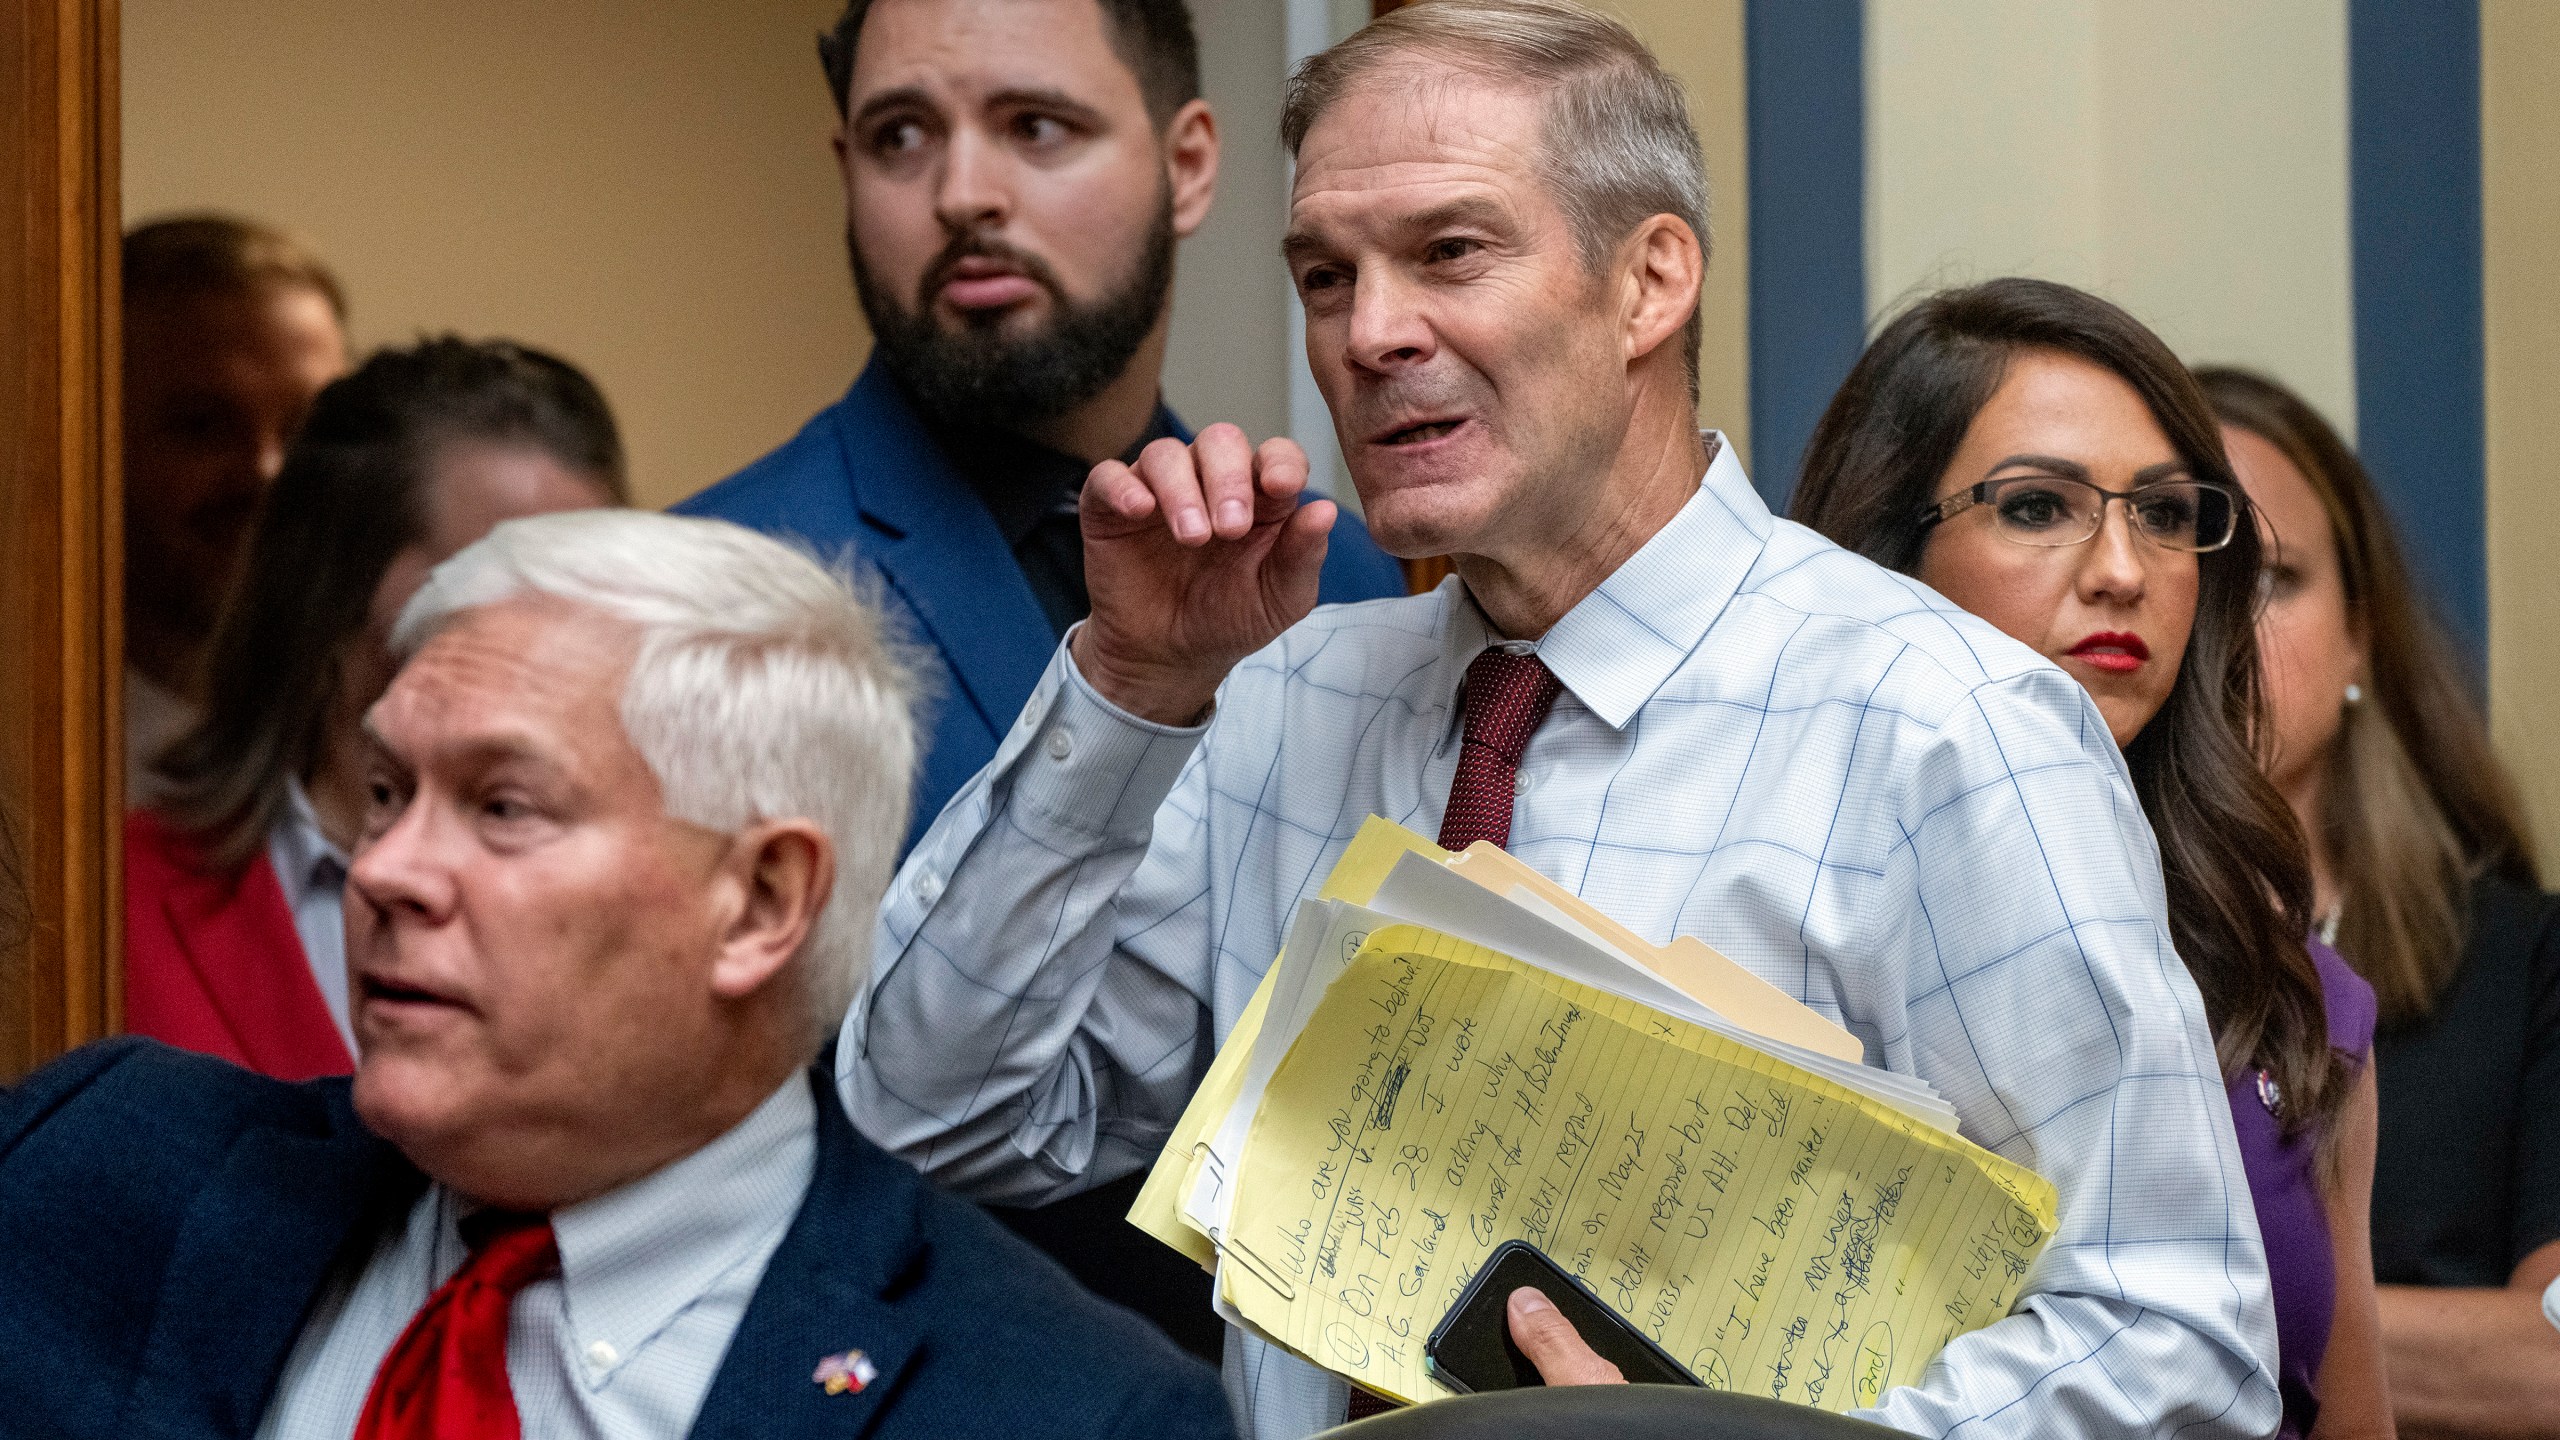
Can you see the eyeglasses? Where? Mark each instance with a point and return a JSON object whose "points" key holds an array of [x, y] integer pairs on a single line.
{"points": [[2052, 511]]}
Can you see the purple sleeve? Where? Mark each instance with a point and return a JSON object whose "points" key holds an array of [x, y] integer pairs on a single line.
{"points": [[2349, 1001]]}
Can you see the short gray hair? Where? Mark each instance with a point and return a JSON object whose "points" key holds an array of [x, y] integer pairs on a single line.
{"points": [[1619, 146], [765, 688]]}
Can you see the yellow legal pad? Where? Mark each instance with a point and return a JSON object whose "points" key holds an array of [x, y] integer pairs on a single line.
{"points": [[1776, 1232]]}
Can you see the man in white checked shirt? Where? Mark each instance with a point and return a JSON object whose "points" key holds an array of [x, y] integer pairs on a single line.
{"points": [[1749, 735]]}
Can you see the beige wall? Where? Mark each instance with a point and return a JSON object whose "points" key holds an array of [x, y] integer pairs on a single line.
{"points": [[1229, 356], [2185, 158], [2520, 164], [1700, 41], [645, 189]]}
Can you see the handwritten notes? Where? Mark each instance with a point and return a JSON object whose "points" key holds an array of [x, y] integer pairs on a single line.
{"points": [[1364, 866], [1776, 1232]]}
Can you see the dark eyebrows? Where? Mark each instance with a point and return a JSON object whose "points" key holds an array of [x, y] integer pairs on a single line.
{"points": [[1041, 98], [2165, 470], [2074, 470], [901, 97], [2066, 469], [1028, 97]]}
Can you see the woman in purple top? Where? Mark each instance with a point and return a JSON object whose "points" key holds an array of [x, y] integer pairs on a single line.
{"points": [[2039, 458], [2317, 1236]]}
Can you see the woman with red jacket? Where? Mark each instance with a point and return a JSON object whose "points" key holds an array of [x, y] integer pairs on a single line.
{"points": [[234, 939]]}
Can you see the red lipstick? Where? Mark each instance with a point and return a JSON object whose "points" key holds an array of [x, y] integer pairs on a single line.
{"points": [[2119, 652]]}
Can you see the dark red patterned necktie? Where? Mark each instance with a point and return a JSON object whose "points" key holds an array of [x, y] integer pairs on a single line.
{"points": [[447, 1376], [1507, 697]]}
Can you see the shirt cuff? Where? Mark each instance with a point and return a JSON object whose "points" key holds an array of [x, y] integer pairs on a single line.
{"points": [[1094, 769]]}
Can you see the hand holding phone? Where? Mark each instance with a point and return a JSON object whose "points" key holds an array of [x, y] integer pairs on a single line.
{"points": [[1471, 1351]]}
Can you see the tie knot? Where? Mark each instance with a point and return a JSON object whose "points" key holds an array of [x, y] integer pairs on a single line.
{"points": [[509, 1249], [1507, 696]]}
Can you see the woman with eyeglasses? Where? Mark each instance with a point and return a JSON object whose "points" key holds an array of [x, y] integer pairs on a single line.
{"points": [[2424, 877], [2038, 457]]}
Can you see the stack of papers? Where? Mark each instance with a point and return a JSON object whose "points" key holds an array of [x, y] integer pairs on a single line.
{"points": [[1452, 1052]]}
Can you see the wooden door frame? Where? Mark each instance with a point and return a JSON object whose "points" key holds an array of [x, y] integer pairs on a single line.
{"points": [[61, 522]]}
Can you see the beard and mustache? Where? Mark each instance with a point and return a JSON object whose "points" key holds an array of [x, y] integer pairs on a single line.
{"points": [[979, 374]]}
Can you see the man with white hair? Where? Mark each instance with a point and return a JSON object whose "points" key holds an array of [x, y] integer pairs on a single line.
{"points": [[635, 792], [1703, 720]]}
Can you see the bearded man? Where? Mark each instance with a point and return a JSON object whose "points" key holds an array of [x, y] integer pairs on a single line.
{"points": [[1016, 174]]}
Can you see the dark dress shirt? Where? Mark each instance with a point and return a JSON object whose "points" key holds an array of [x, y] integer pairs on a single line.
{"points": [[2466, 1176], [1031, 491]]}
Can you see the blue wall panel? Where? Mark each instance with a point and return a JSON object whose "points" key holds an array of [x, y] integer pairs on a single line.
{"points": [[2414, 181], [1808, 164]]}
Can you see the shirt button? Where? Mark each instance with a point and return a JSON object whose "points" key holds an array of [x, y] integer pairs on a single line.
{"points": [[928, 887], [1520, 783], [602, 1356], [1060, 746]]}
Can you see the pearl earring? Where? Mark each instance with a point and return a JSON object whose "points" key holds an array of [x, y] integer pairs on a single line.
{"points": [[2355, 693]]}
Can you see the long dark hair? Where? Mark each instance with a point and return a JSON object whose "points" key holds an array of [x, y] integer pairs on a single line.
{"points": [[352, 495], [2239, 884], [2410, 836]]}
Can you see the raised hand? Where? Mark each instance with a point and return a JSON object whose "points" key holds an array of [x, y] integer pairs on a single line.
{"points": [[1196, 558]]}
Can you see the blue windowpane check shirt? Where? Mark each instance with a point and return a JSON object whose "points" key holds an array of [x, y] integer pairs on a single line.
{"points": [[1823, 769]]}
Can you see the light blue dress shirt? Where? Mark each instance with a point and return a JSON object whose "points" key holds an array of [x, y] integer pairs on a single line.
{"points": [[312, 871], [1821, 768], [624, 1342]]}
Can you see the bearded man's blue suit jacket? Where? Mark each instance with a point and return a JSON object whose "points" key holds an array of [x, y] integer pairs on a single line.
{"points": [[167, 1221], [866, 475]]}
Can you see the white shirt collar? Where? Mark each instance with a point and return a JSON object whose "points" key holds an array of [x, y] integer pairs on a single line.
{"points": [[300, 849], [633, 1258], [1626, 638]]}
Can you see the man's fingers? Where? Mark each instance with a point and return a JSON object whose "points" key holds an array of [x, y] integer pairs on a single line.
{"points": [[1295, 570], [1280, 473], [1548, 1339], [1225, 459], [1219, 486], [1118, 491], [1166, 466]]}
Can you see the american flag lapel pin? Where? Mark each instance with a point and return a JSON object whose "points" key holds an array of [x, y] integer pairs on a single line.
{"points": [[847, 1373]]}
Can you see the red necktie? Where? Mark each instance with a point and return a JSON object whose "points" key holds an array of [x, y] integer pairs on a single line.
{"points": [[1506, 696], [446, 1378]]}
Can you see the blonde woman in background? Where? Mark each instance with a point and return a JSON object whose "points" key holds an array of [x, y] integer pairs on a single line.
{"points": [[2424, 879]]}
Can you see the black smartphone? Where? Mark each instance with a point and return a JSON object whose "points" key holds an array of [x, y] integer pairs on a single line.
{"points": [[1471, 1349]]}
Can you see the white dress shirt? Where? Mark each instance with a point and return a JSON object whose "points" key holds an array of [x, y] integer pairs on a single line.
{"points": [[624, 1342], [312, 871], [1823, 769]]}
